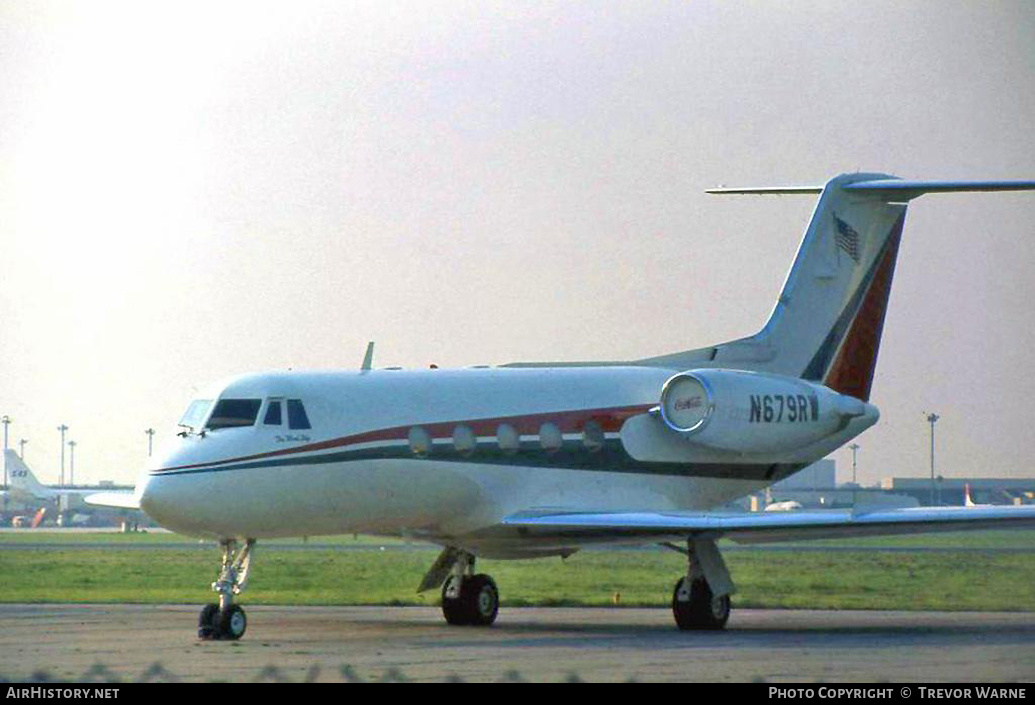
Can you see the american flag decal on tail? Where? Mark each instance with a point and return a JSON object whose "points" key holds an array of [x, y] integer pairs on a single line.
{"points": [[847, 238]]}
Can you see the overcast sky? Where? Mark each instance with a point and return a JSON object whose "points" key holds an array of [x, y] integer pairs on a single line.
{"points": [[194, 190]]}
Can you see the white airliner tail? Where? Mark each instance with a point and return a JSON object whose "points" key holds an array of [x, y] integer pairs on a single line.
{"points": [[22, 482], [827, 322]]}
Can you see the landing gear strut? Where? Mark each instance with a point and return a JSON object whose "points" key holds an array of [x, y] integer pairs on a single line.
{"points": [[469, 599], [701, 599], [227, 620]]}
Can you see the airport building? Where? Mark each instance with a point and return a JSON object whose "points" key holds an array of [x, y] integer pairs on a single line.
{"points": [[816, 487], [821, 475], [950, 491]]}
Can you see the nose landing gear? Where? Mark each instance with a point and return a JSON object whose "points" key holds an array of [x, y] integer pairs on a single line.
{"points": [[227, 620]]}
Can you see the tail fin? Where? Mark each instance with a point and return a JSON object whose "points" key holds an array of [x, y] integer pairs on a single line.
{"points": [[826, 325], [23, 482]]}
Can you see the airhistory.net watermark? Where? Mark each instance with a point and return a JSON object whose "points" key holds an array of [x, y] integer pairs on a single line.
{"points": [[41, 692]]}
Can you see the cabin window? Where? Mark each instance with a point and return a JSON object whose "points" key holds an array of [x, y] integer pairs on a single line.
{"points": [[420, 441], [274, 416], [464, 440], [508, 438], [230, 413], [592, 436], [297, 418], [550, 437]]}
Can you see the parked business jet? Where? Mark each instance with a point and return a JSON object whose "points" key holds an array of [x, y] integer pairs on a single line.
{"points": [[541, 459]]}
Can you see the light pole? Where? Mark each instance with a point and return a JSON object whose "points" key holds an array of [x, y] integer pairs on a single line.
{"points": [[854, 447], [62, 428], [71, 464], [6, 421], [150, 437], [932, 419], [21, 448]]}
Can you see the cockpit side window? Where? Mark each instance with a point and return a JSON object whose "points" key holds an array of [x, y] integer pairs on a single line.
{"points": [[297, 418], [230, 413], [273, 417], [195, 414]]}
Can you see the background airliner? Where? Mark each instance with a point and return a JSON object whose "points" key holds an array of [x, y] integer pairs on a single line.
{"points": [[25, 487], [540, 459]]}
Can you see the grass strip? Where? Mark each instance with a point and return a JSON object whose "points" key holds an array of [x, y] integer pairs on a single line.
{"points": [[839, 580]]}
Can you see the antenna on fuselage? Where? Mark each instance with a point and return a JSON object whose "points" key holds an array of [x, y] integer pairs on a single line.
{"points": [[368, 359]]}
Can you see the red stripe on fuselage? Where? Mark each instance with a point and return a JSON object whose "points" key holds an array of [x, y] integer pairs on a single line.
{"points": [[610, 421]]}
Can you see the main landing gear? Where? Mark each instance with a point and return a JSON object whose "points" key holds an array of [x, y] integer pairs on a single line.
{"points": [[227, 620], [701, 599], [467, 599]]}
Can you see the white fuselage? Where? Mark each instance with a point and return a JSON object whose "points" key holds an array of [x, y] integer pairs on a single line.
{"points": [[439, 454]]}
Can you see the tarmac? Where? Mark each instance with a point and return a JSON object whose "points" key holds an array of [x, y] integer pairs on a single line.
{"points": [[77, 643]]}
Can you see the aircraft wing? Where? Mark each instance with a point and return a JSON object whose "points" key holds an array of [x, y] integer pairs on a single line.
{"points": [[119, 500], [629, 527]]}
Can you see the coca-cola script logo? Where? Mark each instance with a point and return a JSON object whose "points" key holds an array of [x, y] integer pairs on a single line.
{"points": [[688, 403]]}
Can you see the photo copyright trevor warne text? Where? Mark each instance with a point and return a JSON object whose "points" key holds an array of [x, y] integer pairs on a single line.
{"points": [[897, 692]]}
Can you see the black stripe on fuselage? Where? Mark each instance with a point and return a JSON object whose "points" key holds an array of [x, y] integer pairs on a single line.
{"points": [[610, 458]]}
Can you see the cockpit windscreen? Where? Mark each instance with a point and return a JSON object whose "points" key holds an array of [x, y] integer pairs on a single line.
{"points": [[195, 414], [230, 413]]}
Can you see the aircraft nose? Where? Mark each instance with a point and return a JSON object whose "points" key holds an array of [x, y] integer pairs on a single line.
{"points": [[155, 500], [146, 491], [173, 503], [154, 488]]}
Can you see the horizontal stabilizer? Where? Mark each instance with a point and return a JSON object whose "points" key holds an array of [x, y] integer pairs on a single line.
{"points": [[118, 500], [939, 186], [767, 527], [772, 190], [891, 189]]}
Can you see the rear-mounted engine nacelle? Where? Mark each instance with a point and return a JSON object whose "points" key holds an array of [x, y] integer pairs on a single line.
{"points": [[752, 412]]}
